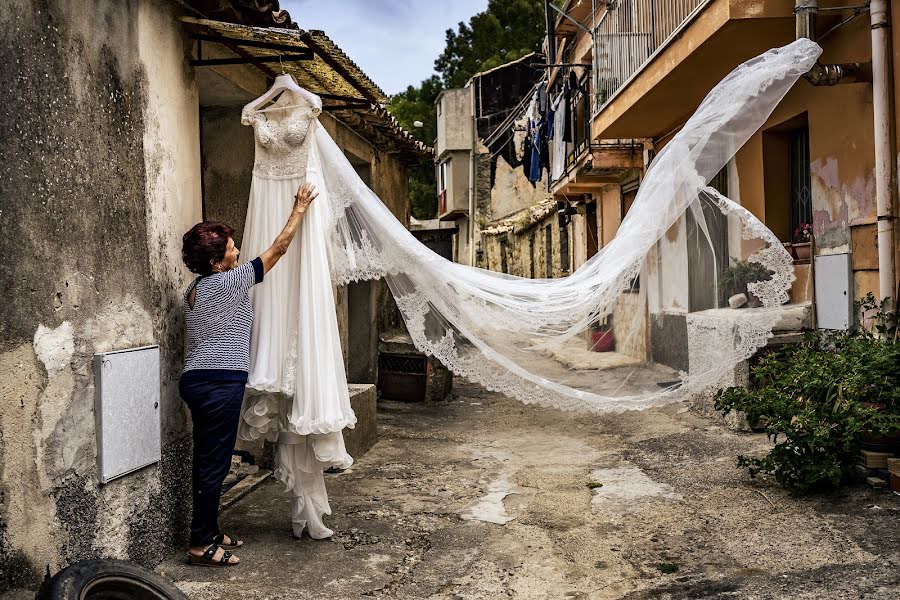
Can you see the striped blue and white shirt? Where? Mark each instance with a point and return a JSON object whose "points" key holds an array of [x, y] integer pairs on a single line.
{"points": [[218, 325]]}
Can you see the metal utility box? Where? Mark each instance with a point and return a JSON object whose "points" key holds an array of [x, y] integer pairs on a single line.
{"points": [[834, 291], [127, 410]]}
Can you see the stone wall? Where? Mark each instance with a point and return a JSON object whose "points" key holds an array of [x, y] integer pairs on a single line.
{"points": [[100, 171]]}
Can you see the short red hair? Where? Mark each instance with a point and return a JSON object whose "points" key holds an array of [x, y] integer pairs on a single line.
{"points": [[204, 245]]}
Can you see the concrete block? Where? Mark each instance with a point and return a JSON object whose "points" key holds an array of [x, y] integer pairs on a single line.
{"points": [[669, 340], [439, 381], [874, 460], [362, 437], [794, 317], [876, 482]]}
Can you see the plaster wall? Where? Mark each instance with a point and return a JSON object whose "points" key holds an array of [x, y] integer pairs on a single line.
{"points": [[100, 177], [454, 120], [512, 191]]}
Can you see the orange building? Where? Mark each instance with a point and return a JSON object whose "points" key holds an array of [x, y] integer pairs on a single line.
{"points": [[826, 156]]}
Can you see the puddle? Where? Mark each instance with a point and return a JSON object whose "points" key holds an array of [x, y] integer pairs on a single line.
{"points": [[626, 484], [489, 508]]}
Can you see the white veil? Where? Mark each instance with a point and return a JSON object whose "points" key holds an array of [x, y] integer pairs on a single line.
{"points": [[507, 332]]}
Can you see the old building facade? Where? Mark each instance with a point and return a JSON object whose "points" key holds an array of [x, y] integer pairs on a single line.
{"points": [[826, 157], [126, 132]]}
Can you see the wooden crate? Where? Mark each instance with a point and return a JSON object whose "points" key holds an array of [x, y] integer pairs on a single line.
{"points": [[893, 466]]}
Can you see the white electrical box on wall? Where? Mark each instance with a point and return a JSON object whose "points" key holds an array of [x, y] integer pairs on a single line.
{"points": [[127, 410], [834, 291]]}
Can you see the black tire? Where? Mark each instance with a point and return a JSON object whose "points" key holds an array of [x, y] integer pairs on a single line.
{"points": [[102, 579]]}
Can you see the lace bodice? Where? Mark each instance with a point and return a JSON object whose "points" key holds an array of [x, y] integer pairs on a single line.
{"points": [[282, 136]]}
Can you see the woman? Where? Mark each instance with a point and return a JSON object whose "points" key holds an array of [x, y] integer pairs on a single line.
{"points": [[218, 319]]}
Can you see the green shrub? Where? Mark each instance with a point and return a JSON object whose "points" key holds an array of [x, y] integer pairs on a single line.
{"points": [[814, 399]]}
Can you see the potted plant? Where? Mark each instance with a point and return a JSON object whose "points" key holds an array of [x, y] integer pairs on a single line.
{"points": [[739, 274], [880, 323], [819, 400], [802, 235]]}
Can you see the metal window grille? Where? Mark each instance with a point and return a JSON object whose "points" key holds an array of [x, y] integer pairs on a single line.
{"points": [[801, 184]]}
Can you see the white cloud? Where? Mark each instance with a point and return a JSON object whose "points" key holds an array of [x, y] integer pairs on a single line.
{"points": [[394, 41]]}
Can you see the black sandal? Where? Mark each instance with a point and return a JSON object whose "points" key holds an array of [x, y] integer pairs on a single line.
{"points": [[234, 544], [208, 558]]}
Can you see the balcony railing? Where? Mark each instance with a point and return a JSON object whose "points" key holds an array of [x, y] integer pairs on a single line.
{"points": [[629, 34]]}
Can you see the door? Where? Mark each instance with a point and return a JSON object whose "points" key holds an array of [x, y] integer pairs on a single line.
{"points": [[591, 229], [707, 257]]}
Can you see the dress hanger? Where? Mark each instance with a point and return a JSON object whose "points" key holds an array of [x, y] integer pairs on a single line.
{"points": [[284, 82]]}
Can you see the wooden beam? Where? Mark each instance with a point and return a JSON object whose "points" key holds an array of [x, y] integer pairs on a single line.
{"points": [[337, 67], [227, 41], [252, 60]]}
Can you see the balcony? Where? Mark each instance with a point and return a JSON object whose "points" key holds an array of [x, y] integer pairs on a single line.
{"points": [[629, 34], [655, 60]]}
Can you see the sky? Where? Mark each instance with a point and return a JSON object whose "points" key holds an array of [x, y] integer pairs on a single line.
{"points": [[394, 41]]}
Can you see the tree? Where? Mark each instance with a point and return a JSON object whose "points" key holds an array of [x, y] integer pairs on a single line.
{"points": [[417, 104], [506, 31]]}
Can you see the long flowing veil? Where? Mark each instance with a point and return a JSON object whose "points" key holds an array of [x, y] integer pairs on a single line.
{"points": [[535, 339]]}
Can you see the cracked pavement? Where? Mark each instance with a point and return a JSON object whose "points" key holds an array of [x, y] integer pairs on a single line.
{"points": [[482, 497]]}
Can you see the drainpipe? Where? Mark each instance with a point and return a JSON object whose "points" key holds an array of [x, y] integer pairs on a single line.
{"points": [[822, 75], [883, 108], [885, 145], [472, 164]]}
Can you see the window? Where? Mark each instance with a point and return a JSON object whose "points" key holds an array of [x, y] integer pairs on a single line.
{"points": [[442, 176], [504, 249], [801, 186], [786, 177], [627, 194]]}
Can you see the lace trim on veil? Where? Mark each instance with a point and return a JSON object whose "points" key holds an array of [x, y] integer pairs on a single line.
{"points": [[452, 310]]}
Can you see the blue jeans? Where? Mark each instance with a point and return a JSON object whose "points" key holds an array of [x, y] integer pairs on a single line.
{"points": [[214, 398]]}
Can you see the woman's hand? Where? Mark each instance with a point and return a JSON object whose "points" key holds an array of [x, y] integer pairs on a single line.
{"points": [[306, 193]]}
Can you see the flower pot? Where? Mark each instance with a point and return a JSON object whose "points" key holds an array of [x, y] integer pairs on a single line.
{"points": [[602, 340], [876, 442], [802, 251], [753, 301]]}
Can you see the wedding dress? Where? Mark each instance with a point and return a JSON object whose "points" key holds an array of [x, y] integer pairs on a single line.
{"points": [[510, 334], [297, 386]]}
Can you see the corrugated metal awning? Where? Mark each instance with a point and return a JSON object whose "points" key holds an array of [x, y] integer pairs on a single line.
{"points": [[322, 68]]}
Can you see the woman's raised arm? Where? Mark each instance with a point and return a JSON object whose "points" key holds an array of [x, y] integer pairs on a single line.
{"points": [[304, 197]]}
